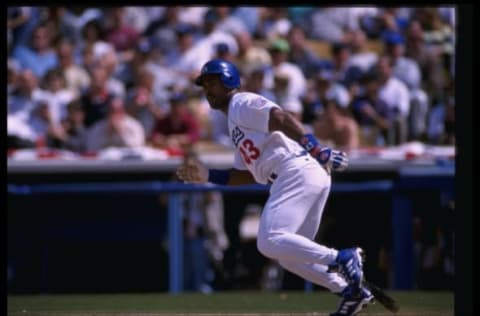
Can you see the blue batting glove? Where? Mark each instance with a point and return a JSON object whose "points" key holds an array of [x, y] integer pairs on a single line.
{"points": [[331, 159]]}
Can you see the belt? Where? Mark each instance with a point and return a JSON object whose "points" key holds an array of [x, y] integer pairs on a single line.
{"points": [[274, 176], [301, 154]]}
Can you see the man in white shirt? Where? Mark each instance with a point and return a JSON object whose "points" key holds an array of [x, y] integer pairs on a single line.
{"points": [[118, 129], [408, 71], [397, 97], [297, 83]]}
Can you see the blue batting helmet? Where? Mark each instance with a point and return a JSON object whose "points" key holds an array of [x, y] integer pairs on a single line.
{"points": [[229, 74]]}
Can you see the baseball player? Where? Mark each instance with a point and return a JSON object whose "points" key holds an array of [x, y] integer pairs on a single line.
{"points": [[272, 147]]}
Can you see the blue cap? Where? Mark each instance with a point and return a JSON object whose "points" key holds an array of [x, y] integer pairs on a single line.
{"points": [[393, 38], [184, 28], [144, 45], [222, 48], [325, 74], [211, 16]]}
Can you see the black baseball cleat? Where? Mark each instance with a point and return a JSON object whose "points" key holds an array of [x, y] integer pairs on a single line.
{"points": [[353, 301], [349, 263]]}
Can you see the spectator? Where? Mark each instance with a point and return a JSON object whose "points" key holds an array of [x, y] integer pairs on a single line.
{"points": [[405, 69], [192, 15], [19, 133], [373, 115], [254, 82], [387, 19], [331, 24], [249, 16], [438, 35], [312, 105], [299, 15], [273, 23], [138, 17], [21, 21], [397, 97], [223, 52], [44, 125], [323, 86], [361, 56], [297, 83], [250, 55], [95, 100], [281, 81], [91, 33], [104, 55], [76, 77], [23, 93], [179, 129], [441, 120], [117, 129], [300, 54], [122, 36], [58, 95], [162, 29], [180, 56], [40, 55], [336, 126], [326, 88], [13, 70], [75, 132], [227, 22], [449, 138], [408, 71], [428, 59], [204, 48], [294, 107], [165, 77], [364, 17], [54, 19], [25, 98], [395, 19], [218, 129], [144, 104], [80, 19], [343, 72]]}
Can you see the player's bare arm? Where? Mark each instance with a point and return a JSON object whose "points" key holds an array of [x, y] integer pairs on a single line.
{"points": [[283, 121]]}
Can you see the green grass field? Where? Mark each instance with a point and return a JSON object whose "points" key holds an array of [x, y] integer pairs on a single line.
{"points": [[318, 303]]}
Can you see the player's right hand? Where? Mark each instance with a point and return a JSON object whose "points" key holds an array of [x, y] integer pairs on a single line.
{"points": [[339, 160], [331, 159], [193, 172]]}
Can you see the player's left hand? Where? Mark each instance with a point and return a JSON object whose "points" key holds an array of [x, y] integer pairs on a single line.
{"points": [[193, 172]]}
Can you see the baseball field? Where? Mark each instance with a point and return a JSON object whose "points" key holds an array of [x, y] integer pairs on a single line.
{"points": [[318, 303]]}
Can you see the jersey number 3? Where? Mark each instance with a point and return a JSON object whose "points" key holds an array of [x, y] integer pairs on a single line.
{"points": [[249, 151]]}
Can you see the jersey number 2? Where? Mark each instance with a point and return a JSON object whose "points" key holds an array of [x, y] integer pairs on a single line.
{"points": [[249, 151]]}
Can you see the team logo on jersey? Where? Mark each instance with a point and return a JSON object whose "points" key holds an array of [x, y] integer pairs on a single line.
{"points": [[237, 135]]}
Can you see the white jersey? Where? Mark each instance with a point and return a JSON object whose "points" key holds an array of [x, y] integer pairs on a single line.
{"points": [[257, 149]]}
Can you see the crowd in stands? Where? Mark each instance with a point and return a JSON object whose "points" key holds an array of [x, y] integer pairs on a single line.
{"points": [[88, 78]]}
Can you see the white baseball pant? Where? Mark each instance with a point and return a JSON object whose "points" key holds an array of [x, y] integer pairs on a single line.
{"points": [[290, 221]]}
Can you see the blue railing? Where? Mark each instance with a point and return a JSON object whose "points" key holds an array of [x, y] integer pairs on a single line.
{"points": [[441, 179]]}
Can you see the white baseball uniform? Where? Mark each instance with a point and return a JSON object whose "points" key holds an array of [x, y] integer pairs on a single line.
{"points": [[299, 190]]}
